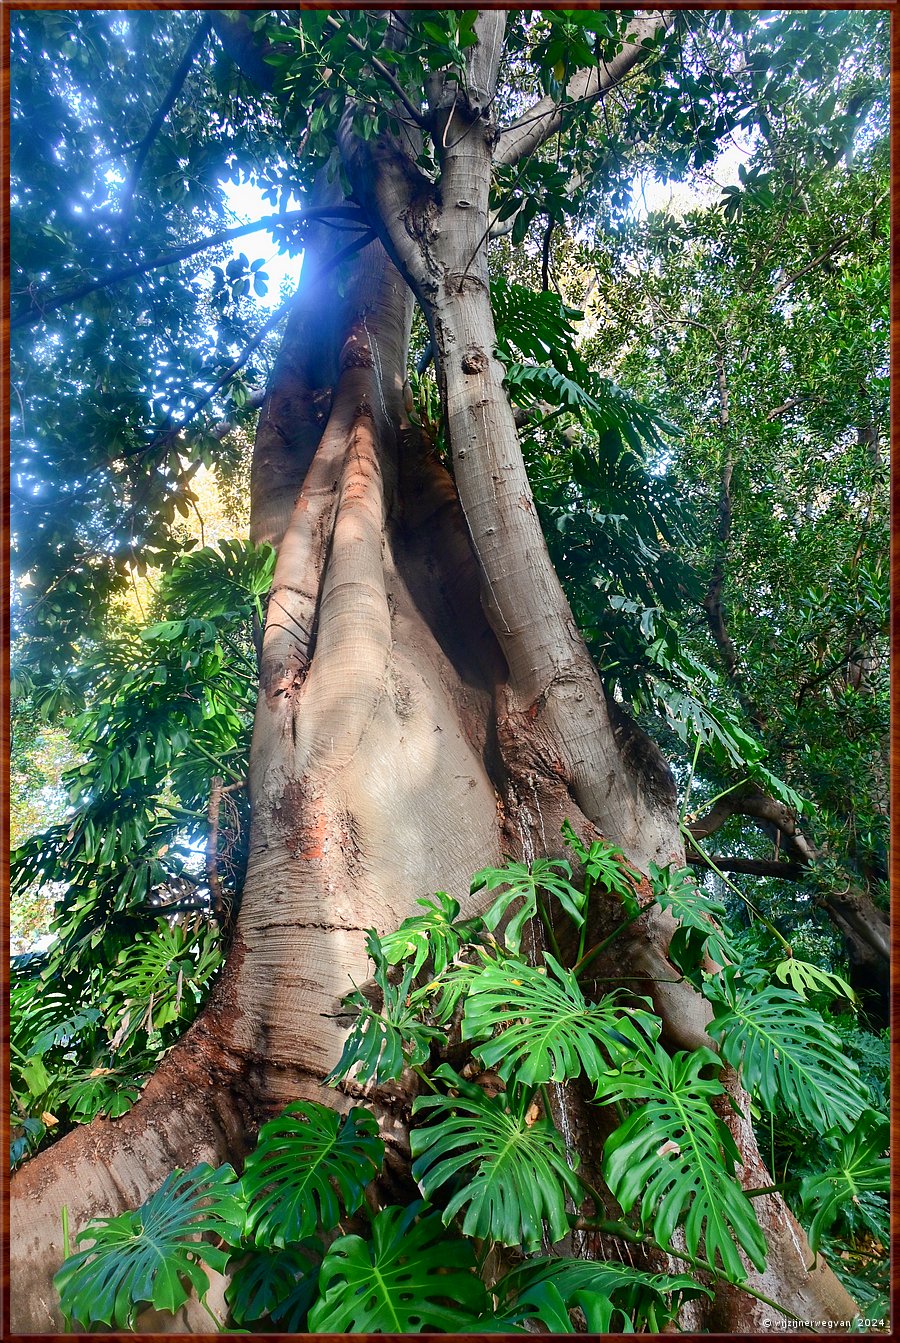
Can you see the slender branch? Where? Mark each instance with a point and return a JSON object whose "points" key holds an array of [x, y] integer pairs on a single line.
{"points": [[811, 265], [165, 107], [753, 867], [524, 135], [212, 845], [777, 411], [39, 308], [383, 70]]}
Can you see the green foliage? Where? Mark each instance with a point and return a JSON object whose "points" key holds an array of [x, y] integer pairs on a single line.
{"points": [[307, 1165], [676, 889], [854, 1187], [140, 1258], [433, 936], [675, 1157], [613, 1297], [279, 1286], [168, 710], [490, 1162], [535, 1025], [512, 1163], [381, 1043], [746, 342], [785, 1052], [526, 882], [410, 1278], [806, 979], [161, 978], [604, 865]]}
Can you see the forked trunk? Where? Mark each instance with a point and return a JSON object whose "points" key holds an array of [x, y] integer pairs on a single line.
{"points": [[420, 712]]}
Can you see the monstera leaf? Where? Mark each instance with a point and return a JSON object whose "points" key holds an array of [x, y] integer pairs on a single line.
{"points": [[676, 889], [279, 1286], [785, 1052], [547, 1032], [524, 881], [433, 935], [381, 1044], [605, 864], [515, 1175], [857, 1181], [140, 1258], [159, 977], [232, 576], [613, 1297], [307, 1164], [675, 1156], [804, 978], [410, 1278]]}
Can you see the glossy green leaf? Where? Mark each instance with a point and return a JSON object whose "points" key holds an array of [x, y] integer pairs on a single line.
{"points": [[143, 1258], [506, 1165], [309, 1164], [410, 1278]]}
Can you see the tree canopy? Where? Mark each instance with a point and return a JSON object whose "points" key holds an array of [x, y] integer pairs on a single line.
{"points": [[675, 243]]}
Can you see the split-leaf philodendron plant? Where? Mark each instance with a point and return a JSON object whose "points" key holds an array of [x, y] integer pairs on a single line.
{"points": [[481, 1038]]}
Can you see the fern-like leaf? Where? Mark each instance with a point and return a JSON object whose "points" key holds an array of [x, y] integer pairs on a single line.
{"points": [[306, 1166], [676, 1156]]}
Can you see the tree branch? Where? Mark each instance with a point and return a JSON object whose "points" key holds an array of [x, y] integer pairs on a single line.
{"points": [[383, 70], [777, 411], [39, 309], [165, 107], [811, 265], [524, 135], [754, 867]]}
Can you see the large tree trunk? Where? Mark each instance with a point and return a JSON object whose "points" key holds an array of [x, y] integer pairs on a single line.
{"points": [[421, 711]]}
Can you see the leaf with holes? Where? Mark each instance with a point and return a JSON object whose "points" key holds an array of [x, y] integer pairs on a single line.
{"points": [[604, 864], [525, 882], [675, 1156], [514, 1168], [785, 1052], [306, 1166], [433, 935], [141, 1258], [539, 1027], [676, 889], [858, 1178], [410, 1278], [280, 1286], [614, 1297], [381, 1044]]}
